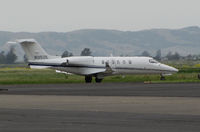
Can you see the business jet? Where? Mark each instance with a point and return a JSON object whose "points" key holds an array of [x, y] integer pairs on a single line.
{"points": [[89, 66]]}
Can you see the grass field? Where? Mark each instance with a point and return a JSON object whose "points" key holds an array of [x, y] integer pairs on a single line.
{"points": [[32, 76]]}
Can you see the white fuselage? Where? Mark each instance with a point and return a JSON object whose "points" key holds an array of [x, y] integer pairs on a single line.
{"points": [[89, 65]]}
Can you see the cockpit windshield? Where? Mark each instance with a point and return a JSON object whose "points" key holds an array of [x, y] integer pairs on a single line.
{"points": [[153, 61]]}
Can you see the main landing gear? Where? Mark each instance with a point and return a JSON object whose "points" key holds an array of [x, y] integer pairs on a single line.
{"points": [[88, 79], [98, 80]]}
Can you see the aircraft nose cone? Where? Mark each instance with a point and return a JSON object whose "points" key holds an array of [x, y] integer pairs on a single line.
{"points": [[173, 69], [169, 68]]}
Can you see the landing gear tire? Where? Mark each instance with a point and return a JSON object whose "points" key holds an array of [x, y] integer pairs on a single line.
{"points": [[162, 78], [98, 80], [88, 79], [198, 76]]}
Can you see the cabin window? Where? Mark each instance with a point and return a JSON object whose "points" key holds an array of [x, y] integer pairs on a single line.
{"points": [[153, 61], [124, 62], [130, 62], [102, 62], [113, 62], [118, 62]]}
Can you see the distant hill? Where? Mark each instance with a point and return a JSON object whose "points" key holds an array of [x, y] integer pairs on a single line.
{"points": [[104, 42]]}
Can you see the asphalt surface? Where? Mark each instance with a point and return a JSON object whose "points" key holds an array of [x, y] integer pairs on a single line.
{"points": [[106, 89], [119, 107]]}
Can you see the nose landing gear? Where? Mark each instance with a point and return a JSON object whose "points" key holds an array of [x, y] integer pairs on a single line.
{"points": [[162, 77]]}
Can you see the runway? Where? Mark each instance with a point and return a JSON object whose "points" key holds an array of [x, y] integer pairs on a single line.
{"points": [[106, 89], [120, 107]]}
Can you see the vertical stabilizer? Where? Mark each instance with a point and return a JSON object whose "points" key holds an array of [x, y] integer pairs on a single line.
{"points": [[33, 50]]}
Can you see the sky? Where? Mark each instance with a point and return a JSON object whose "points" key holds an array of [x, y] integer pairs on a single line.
{"points": [[69, 15]]}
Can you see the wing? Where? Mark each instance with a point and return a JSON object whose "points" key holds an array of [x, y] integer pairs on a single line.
{"points": [[104, 71]]}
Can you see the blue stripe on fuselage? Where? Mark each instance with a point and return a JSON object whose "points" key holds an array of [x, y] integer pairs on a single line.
{"points": [[90, 66]]}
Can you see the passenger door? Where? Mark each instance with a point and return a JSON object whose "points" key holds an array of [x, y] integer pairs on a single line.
{"points": [[112, 63]]}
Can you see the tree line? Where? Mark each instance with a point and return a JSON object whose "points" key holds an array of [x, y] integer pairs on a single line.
{"points": [[84, 52], [171, 56], [8, 58], [158, 56]]}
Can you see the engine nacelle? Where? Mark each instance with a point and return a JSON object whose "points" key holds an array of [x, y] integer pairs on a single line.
{"points": [[79, 61]]}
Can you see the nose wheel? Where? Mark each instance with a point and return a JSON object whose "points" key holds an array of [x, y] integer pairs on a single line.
{"points": [[162, 77]]}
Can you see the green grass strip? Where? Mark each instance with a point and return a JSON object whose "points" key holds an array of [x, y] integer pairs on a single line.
{"points": [[46, 76]]}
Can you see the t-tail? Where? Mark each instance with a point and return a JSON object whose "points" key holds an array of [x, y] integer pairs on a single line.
{"points": [[34, 51]]}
